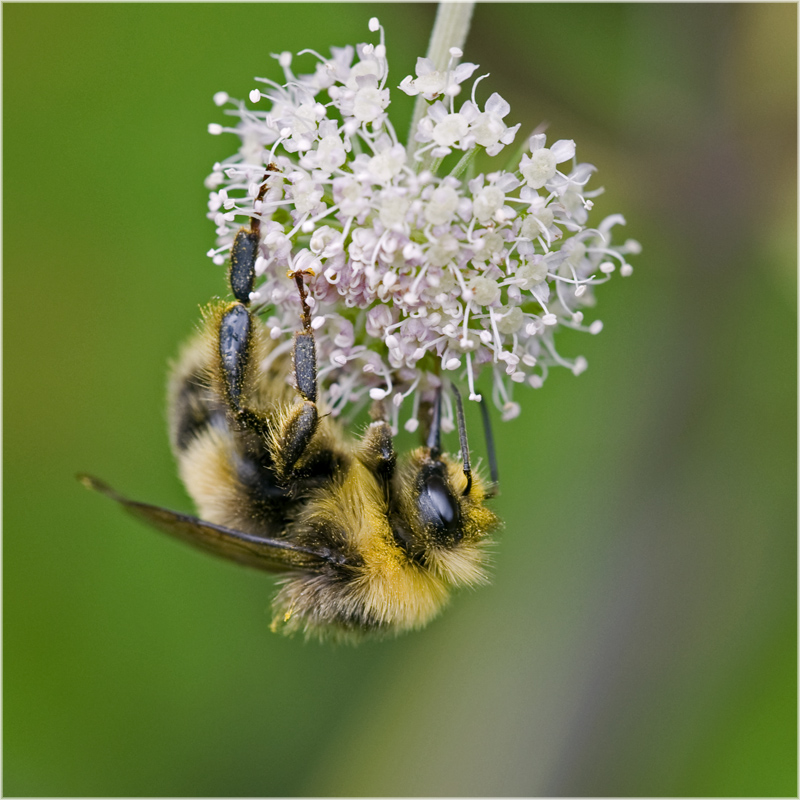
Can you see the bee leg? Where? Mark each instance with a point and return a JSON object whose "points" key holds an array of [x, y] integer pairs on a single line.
{"points": [[377, 452], [305, 365], [236, 324], [234, 346], [376, 449], [242, 272], [244, 251], [291, 437]]}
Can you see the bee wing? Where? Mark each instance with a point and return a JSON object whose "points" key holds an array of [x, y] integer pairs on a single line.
{"points": [[244, 548]]}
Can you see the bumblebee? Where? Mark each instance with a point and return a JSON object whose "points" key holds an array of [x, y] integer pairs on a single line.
{"points": [[364, 542]]}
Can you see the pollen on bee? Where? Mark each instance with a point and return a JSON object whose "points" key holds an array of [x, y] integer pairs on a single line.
{"points": [[292, 273], [289, 612]]}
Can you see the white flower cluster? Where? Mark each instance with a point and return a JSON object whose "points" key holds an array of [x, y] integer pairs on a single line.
{"points": [[413, 271]]}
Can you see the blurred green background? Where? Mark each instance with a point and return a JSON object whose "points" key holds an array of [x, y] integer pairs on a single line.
{"points": [[639, 635]]}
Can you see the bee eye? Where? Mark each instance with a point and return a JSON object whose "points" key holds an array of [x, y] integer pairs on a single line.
{"points": [[437, 506]]}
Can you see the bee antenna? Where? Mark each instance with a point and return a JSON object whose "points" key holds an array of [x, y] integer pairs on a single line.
{"points": [[434, 442], [462, 435], [490, 451]]}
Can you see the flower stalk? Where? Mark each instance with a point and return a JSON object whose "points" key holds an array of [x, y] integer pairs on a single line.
{"points": [[450, 31]]}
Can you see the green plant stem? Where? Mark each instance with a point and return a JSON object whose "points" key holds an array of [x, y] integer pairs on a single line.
{"points": [[449, 30]]}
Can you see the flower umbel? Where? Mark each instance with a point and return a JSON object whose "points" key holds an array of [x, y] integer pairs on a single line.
{"points": [[415, 267]]}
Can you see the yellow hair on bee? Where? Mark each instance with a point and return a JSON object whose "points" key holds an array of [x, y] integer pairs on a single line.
{"points": [[462, 566], [389, 587], [207, 472]]}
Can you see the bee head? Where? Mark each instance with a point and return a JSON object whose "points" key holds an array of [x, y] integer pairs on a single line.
{"points": [[438, 516], [437, 507]]}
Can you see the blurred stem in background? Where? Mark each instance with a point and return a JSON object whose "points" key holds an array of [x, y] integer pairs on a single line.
{"points": [[450, 30]]}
